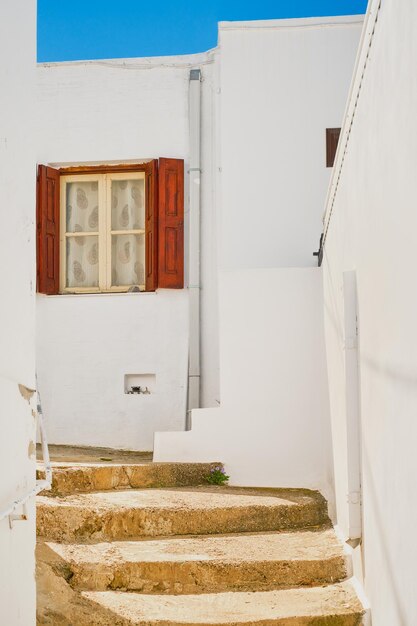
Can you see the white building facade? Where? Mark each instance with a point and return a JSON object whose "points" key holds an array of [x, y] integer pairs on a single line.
{"points": [[17, 312], [370, 227], [297, 73], [281, 85], [306, 374]]}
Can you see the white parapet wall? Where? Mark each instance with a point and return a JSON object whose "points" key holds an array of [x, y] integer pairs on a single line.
{"points": [[272, 428], [17, 309], [372, 233]]}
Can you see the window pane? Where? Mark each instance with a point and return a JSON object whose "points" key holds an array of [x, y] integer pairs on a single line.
{"points": [[82, 206], [128, 204], [128, 260], [82, 261]]}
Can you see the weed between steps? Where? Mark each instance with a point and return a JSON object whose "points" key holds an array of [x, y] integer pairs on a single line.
{"points": [[217, 476]]}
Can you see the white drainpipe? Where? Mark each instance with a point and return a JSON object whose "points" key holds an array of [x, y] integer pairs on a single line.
{"points": [[193, 400]]}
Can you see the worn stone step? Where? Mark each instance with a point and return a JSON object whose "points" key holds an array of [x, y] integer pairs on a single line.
{"points": [[334, 605], [70, 478], [106, 516], [88, 454], [191, 565]]}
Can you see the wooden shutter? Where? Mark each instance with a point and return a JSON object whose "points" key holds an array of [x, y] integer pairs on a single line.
{"points": [[151, 225], [47, 218], [332, 139], [171, 223]]}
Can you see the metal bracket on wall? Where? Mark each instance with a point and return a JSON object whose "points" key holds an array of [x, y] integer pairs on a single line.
{"points": [[319, 253]]}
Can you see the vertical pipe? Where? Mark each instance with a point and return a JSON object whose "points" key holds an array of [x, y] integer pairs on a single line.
{"points": [[352, 407], [193, 400]]}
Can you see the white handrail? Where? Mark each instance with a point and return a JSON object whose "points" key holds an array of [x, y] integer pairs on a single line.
{"points": [[40, 485], [365, 45], [44, 444]]}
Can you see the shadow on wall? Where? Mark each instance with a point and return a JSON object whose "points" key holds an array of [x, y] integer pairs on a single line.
{"points": [[380, 537]]}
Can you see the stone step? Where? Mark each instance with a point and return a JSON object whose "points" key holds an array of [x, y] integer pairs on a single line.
{"points": [[334, 605], [112, 515], [88, 454], [209, 564], [69, 478]]}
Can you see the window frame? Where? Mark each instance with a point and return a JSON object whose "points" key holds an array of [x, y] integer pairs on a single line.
{"points": [[110, 232], [105, 231], [164, 224]]}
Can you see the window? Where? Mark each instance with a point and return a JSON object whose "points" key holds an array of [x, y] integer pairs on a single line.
{"points": [[110, 229], [332, 139], [102, 243]]}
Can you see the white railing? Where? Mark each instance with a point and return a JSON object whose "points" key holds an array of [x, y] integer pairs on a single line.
{"points": [[364, 50], [40, 485]]}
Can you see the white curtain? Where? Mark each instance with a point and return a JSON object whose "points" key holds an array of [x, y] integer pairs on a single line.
{"points": [[82, 217], [128, 251]]}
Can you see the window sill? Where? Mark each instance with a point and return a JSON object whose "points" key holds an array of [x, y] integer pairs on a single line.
{"points": [[96, 294]]}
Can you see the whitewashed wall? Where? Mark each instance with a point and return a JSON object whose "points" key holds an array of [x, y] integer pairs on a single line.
{"points": [[272, 127], [282, 83], [119, 111], [84, 357], [17, 309], [272, 428], [373, 231]]}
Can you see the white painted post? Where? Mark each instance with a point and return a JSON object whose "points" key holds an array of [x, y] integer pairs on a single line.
{"points": [[352, 406]]}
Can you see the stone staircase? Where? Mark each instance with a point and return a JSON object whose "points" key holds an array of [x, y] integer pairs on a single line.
{"points": [[148, 543]]}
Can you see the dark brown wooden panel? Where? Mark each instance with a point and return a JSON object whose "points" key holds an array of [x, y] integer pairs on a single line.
{"points": [[171, 224], [151, 226], [47, 217], [332, 140]]}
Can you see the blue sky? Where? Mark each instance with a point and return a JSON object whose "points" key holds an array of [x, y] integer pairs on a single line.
{"points": [[98, 29]]}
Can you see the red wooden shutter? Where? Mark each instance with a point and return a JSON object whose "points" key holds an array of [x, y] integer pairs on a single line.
{"points": [[47, 217], [171, 224], [151, 225], [332, 139]]}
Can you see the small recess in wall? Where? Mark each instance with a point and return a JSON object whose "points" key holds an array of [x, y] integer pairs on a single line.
{"points": [[140, 384]]}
